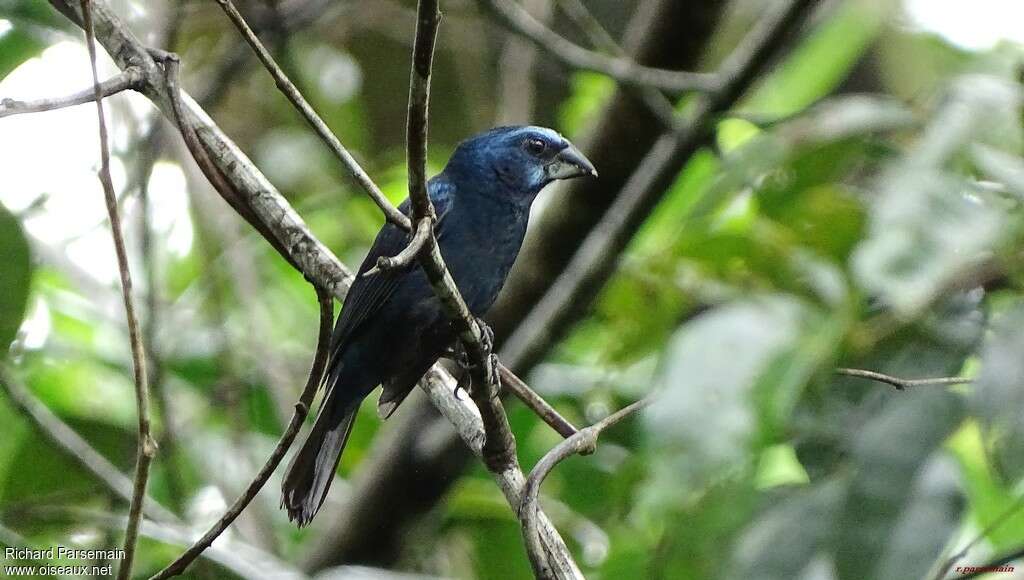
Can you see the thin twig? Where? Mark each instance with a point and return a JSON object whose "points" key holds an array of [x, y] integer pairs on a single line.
{"points": [[535, 402], [901, 383], [422, 233], [128, 79], [582, 442], [391, 212], [283, 444], [76, 447], [511, 15], [146, 444]]}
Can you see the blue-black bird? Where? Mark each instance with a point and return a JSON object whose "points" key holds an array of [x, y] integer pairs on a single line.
{"points": [[392, 328]]}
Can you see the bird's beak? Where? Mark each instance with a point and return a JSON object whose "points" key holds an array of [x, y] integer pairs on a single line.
{"points": [[570, 163]]}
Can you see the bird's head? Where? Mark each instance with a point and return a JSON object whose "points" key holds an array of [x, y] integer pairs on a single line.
{"points": [[518, 160]]}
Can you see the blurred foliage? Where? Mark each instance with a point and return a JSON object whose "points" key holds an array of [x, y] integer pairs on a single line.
{"points": [[862, 208]]}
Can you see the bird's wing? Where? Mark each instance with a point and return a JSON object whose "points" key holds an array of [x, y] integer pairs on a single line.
{"points": [[369, 293]]}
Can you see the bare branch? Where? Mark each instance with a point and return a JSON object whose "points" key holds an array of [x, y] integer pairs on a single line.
{"points": [[298, 416], [622, 69], [535, 402], [582, 442], [146, 444], [322, 130], [423, 232], [128, 79], [901, 383], [74, 446]]}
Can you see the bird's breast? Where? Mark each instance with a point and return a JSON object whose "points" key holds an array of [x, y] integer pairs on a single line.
{"points": [[480, 252]]}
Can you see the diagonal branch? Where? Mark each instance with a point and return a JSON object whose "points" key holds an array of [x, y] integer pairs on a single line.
{"points": [[624, 70], [146, 443], [129, 79]]}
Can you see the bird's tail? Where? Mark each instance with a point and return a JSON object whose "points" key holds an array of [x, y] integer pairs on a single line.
{"points": [[311, 470]]}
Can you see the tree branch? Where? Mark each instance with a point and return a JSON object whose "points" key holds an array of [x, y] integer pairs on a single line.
{"points": [[535, 402], [129, 79], [900, 383], [146, 444], [76, 447], [294, 424], [512, 16], [583, 442], [421, 235], [319, 126]]}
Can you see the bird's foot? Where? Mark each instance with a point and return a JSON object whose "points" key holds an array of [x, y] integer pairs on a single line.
{"points": [[486, 335], [462, 358]]}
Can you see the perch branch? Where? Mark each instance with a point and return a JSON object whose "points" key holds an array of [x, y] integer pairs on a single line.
{"points": [[624, 70], [583, 442], [499, 445], [319, 126], [77, 448], [298, 416], [421, 234], [535, 402], [146, 444], [901, 383], [128, 79]]}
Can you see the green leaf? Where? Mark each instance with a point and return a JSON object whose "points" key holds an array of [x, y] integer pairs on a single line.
{"points": [[928, 223], [822, 61], [889, 454], [15, 276], [17, 46], [713, 366]]}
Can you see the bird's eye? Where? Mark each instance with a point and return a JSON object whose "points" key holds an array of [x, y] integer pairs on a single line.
{"points": [[534, 147]]}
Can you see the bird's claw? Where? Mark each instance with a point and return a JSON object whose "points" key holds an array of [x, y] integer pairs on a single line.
{"points": [[486, 335]]}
